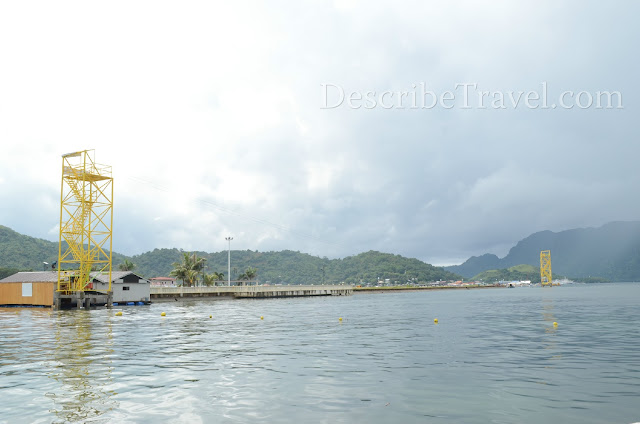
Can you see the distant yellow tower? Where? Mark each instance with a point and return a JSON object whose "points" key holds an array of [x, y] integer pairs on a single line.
{"points": [[545, 268], [86, 219]]}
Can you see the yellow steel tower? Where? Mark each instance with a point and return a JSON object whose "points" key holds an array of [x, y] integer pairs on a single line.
{"points": [[86, 218], [545, 268]]}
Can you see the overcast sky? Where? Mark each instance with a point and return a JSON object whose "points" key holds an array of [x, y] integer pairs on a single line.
{"points": [[225, 119]]}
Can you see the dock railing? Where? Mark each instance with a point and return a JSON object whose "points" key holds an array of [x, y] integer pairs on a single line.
{"points": [[252, 291]]}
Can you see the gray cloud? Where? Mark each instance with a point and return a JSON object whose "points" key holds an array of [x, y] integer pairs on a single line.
{"points": [[219, 130]]}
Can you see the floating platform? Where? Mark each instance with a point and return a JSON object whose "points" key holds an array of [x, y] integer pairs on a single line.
{"points": [[82, 299]]}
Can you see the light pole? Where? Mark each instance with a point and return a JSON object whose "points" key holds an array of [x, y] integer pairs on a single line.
{"points": [[203, 271], [229, 261]]}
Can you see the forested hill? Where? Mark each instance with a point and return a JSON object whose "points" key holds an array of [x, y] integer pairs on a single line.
{"points": [[23, 253], [20, 252], [611, 251], [289, 267]]}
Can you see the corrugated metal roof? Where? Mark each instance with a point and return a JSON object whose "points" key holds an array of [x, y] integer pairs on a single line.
{"points": [[52, 276], [32, 277], [115, 275]]}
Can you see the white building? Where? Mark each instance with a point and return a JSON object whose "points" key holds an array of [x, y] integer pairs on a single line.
{"points": [[162, 282], [126, 286]]}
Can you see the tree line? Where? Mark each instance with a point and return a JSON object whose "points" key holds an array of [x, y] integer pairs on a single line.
{"points": [[24, 253]]}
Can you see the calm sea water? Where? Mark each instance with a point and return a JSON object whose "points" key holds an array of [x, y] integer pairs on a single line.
{"points": [[494, 357]]}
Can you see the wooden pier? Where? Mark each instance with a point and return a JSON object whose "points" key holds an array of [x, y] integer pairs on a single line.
{"points": [[250, 291]]}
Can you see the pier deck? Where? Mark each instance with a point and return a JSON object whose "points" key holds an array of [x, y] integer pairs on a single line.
{"points": [[251, 291]]}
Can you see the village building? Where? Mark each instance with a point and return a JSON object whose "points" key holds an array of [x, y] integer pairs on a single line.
{"points": [[38, 288], [162, 282]]}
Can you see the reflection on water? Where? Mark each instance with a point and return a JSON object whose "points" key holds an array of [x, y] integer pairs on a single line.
{"points": [[494, 357], [82, 365], [550, 329], [547, 310]]}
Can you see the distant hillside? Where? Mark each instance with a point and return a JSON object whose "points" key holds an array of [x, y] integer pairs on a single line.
{"points": [[520, 272], [24, 252], [290, 267], [19, 252], [476, 264], [611, 251], [28, 253]]}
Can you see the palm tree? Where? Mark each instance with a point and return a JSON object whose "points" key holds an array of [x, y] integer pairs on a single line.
{"points": [[218, 276], [179, 272], [251, 273], [127, 265], [192, 277], [211, 279], [208, 280], [248, 274], [189, 269]]}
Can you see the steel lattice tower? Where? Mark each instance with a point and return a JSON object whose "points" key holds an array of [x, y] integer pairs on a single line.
{"points": [[86, 219], [545, 268]]}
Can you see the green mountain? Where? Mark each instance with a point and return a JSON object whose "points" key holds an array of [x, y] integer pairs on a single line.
{"points": [[26, 253], [520, 272], [289, 267], [611, 251], [20, 252]]}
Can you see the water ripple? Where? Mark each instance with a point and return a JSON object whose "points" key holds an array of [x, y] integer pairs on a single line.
{"points": [[493, 357]]}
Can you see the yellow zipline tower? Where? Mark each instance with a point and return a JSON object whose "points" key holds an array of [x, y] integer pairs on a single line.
{"points": [[86, 219], [545, 268]]}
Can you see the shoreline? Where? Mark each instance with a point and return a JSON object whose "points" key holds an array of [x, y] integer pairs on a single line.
{"points": [[361, 290]]}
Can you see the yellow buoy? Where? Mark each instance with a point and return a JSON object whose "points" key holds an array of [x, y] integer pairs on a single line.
{"points": [[340, 319], [119, 313], [261, 317], [163, 314], [435, 320], [210, 316], [555, 324]]}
